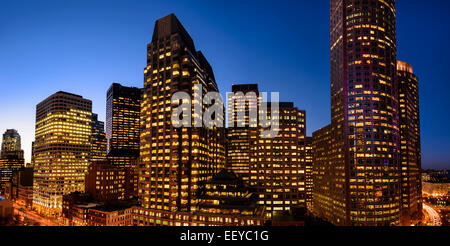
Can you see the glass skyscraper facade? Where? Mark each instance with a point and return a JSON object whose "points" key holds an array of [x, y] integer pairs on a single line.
{"points": [[363, 185]]}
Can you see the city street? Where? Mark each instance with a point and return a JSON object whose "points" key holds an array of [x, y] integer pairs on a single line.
{"points": [[433, 216], [32, 216]]}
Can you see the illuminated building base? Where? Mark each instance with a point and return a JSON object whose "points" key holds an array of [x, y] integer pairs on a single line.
{"points": [[153, 217]]}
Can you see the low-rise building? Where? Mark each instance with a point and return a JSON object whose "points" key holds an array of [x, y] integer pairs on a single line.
{"points": [[224, 200], [107, 182], [116, 214], [6, 211]]}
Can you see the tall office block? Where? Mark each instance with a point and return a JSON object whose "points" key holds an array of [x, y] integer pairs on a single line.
{"points": [[61, 149], [175, 160], [306, 155], [123, 105], [328, 199], [11, 156], [11, 141], [276, 168], [365, 187], [238, 136], [98, 140], [410, 149]]}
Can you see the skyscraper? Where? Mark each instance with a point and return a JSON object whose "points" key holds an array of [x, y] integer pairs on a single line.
{"points": [[175, 160], [11, 156], [123, 105], [98, 140], [11, 141], [238, 136], [364, 188], [410, 149], [61, 149], [306, 156], [276, 168]]}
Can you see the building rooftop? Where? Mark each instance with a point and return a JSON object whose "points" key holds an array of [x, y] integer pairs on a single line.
{"points": [[67, 93], [169, 25], [115, 206], [89, 205]]}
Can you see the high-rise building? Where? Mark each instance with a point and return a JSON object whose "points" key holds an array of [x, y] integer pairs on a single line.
{"points": [[410, 149], [365, 187], [11, 141], [328, 197], [32, 154], [61, 149], [238, 136], [11, 156], [123, 105], [307, 158], [175, 160], [98, 140], [276, 168]]}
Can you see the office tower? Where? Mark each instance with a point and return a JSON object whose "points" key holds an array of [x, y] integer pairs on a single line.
{"points": [[32, 154], [410, 149], [11, 141], [11, 156], [107, 183], [98, 140], [365, 185], [276, 170], [328, 198], [307, 158], [123, 105], [174, 160], [61, 149], [238, 136]]}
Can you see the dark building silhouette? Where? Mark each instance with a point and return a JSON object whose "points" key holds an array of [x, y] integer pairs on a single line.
{"points": [[20, 188], [98, 140]]}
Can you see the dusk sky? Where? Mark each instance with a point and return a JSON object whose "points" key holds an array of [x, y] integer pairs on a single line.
{"points": [[83, 46]]}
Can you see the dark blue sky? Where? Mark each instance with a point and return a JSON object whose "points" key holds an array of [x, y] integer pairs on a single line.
{"points": [[83, 46]]}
